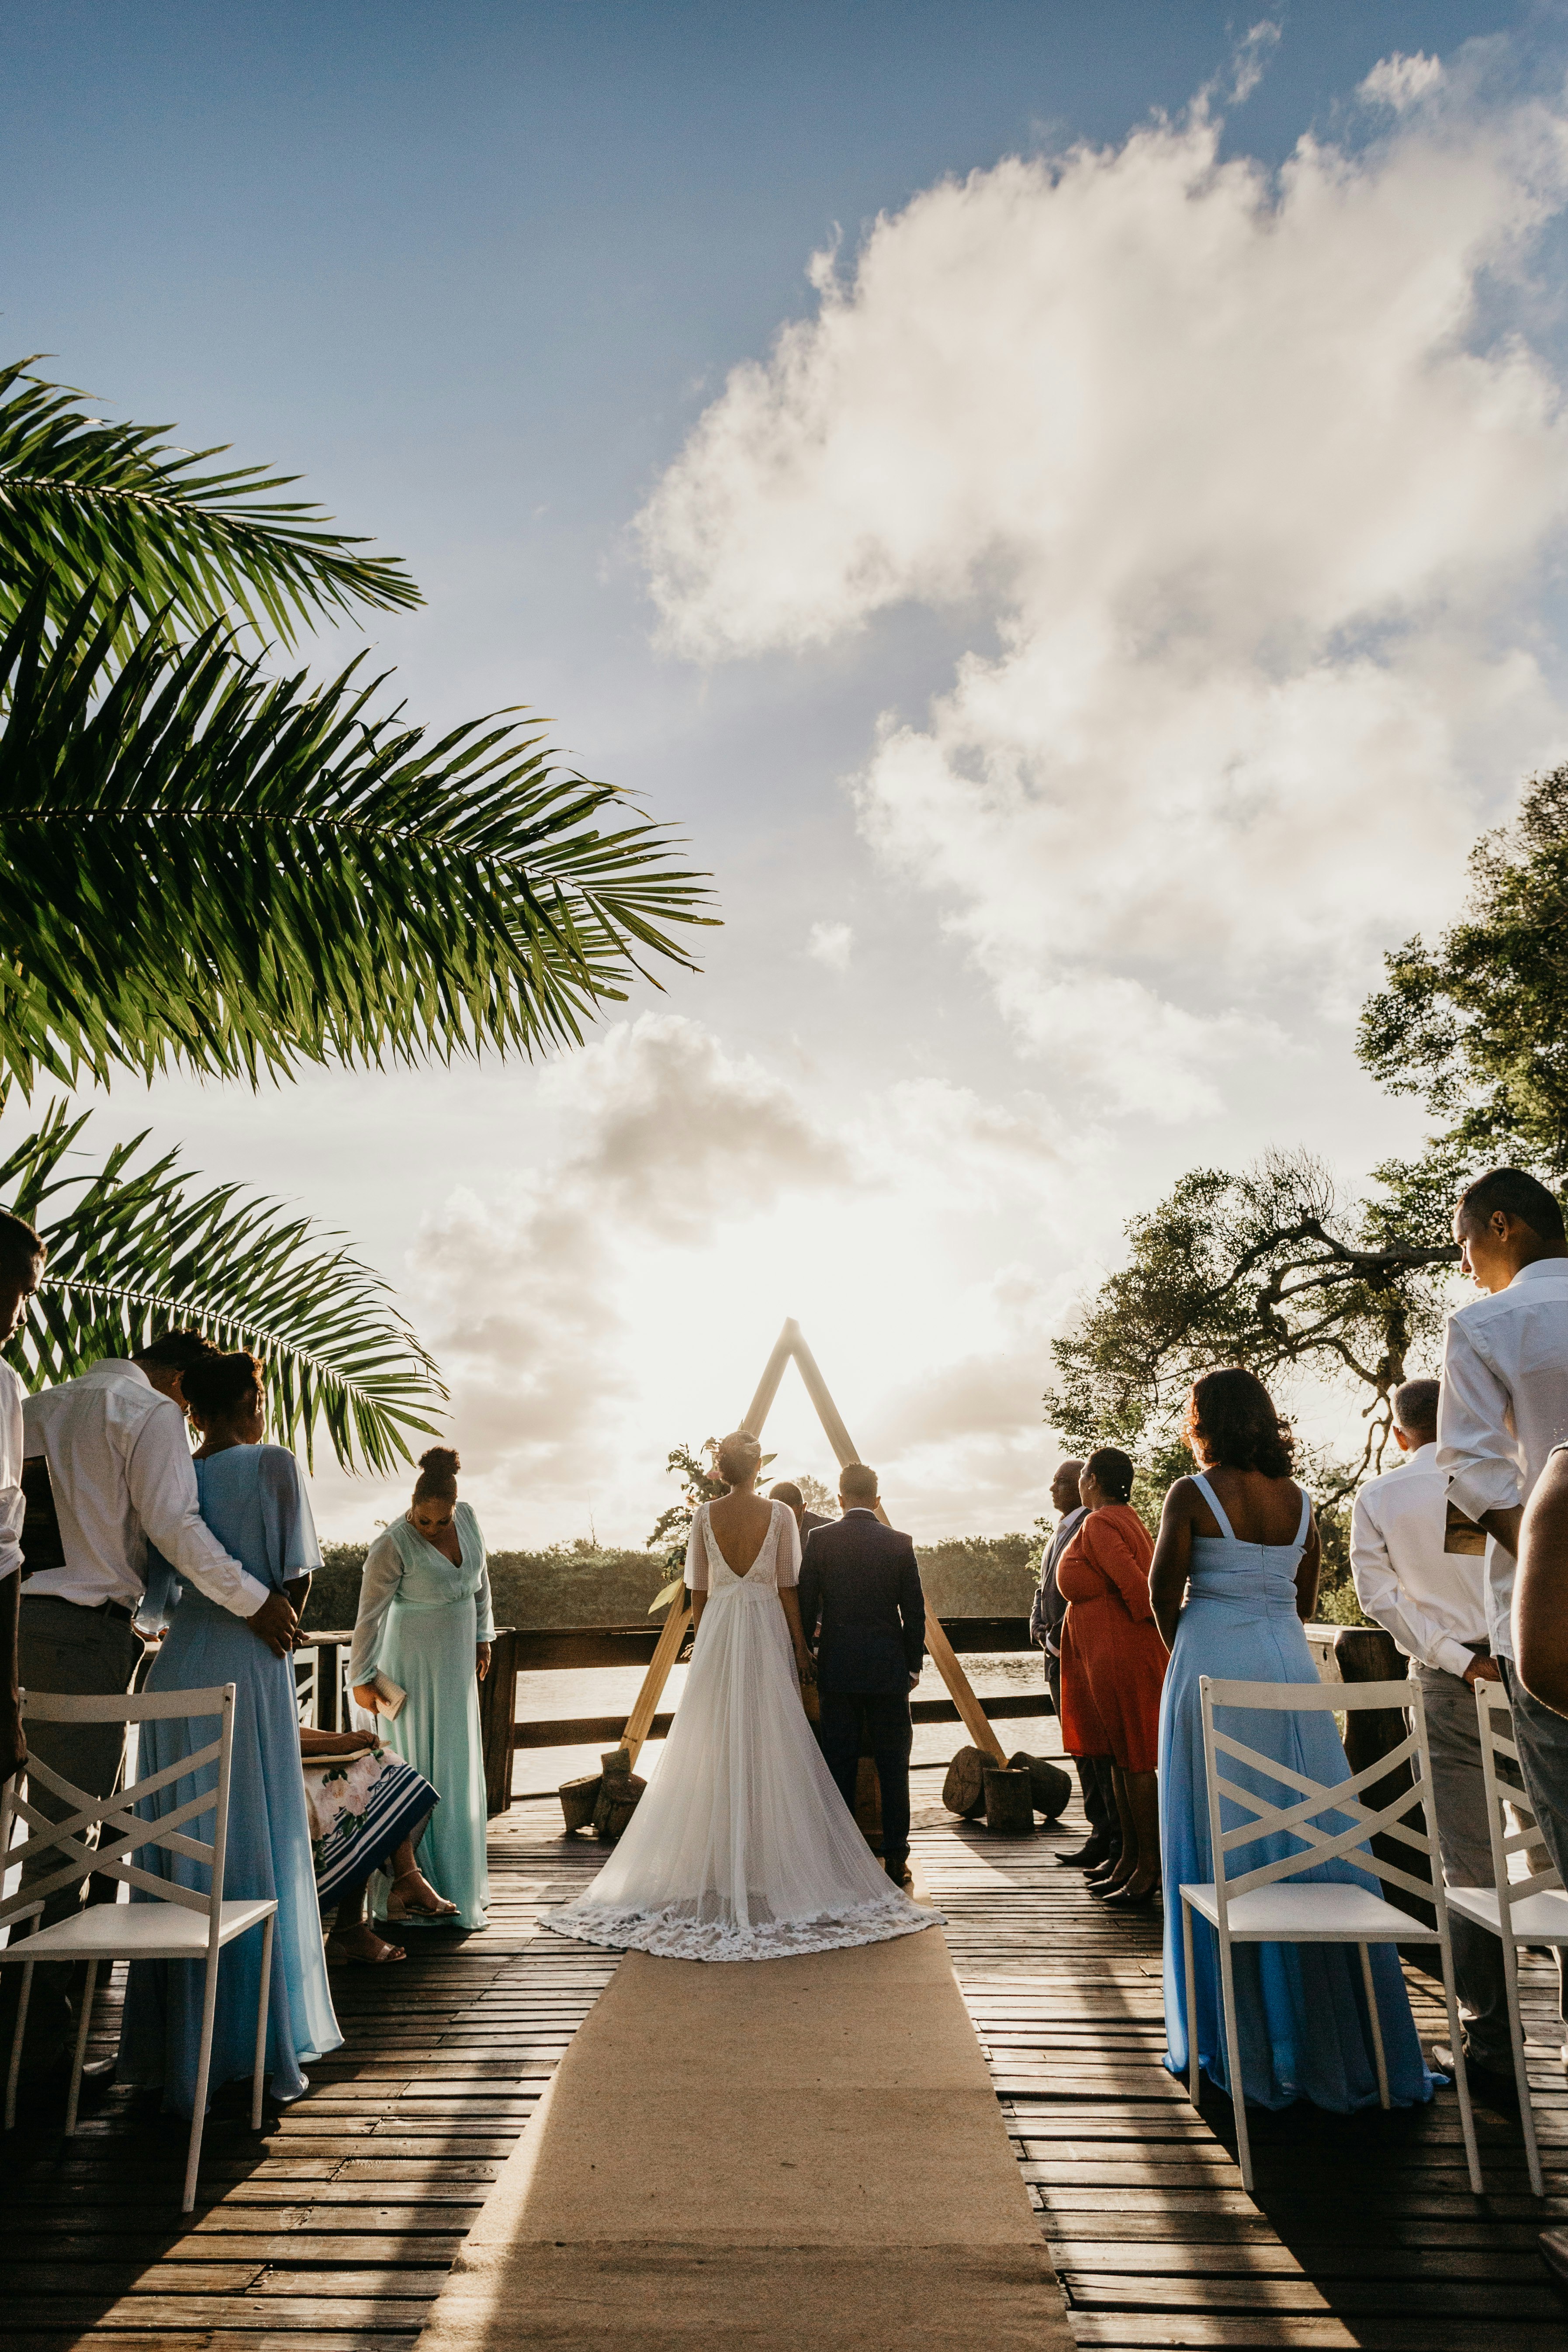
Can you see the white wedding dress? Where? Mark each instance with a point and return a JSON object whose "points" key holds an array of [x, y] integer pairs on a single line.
{"points": [[742, 1847]]}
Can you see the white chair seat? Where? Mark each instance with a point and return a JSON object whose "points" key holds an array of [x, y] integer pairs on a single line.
{"points": [[1290, 1913], [136, 1931], [1537, 1920]]}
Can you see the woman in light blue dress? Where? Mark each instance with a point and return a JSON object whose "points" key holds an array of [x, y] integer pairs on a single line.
{"points": [[426, 1624], [1240, 1540], [253, 1499]]}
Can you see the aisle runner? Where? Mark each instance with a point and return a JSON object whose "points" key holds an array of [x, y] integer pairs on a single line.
{"points": [[802, 2152]]}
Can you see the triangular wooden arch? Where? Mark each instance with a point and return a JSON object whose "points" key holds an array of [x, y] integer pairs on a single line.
{"points": [[791, 1343]]}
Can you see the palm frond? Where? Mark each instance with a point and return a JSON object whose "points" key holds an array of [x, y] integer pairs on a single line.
{"points": [[247, 873], [133, 1252], [115, 511]]}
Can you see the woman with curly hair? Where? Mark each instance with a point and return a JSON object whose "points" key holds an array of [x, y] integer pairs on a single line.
{"points": [[426, 1623], [1113, 1663], [1238, 1542]]}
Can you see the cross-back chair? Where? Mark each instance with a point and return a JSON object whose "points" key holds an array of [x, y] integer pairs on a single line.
{"points": [[179, 1924], [1530, 1908], [1262, 1905]]}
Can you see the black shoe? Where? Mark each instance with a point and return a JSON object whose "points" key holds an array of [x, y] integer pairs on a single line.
{"points": [[1488, 2084], [1122, 1901], [1087, 1857]]}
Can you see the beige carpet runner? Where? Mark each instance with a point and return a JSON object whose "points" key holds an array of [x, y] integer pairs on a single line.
{"points": [[801, 2153]]}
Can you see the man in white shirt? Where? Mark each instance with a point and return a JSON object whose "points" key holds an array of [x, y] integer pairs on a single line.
{"points": [[22, 1255], [1418, 1572], [120, 1471], [1504, 1408]]}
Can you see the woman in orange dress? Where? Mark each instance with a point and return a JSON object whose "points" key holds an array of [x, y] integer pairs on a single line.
{"points": [[1113, 1667]]}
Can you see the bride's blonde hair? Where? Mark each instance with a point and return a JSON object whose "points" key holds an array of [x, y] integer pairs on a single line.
{"points": [[738, 1456]]}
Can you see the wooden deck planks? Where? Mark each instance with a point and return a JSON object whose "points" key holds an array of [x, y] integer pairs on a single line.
{"points": [[1363, 2231], [333, 2230]]}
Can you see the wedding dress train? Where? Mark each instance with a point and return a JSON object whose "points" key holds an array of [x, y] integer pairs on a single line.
{"points": [[742, 1847]]}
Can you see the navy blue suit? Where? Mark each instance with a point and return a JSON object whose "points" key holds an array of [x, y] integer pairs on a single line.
{"points": [[863, 1610]]}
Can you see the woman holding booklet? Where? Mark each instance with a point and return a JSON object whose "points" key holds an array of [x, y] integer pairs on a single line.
{"points": [[421, 1646]]}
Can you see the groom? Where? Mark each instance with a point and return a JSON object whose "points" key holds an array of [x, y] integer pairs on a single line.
{"points": [[860, 1579]]}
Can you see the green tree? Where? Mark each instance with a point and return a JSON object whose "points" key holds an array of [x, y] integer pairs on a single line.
{"points": [[1477, 1025], [212, 865], [1269, 1269]]}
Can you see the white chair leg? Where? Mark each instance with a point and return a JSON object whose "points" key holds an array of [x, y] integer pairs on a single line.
{"points": [[79, 2060], [1375, 2021], [15, 2076], [1233, 2060], [1461, 2078], [203, 2069], [1190, 2001], [258, 2077], [1520, 2072]]}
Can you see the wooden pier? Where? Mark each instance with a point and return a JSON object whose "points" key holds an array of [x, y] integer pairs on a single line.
{"points": [[333, 2231]]}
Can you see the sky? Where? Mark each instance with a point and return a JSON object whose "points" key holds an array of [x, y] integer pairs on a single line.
{"points": [[1063, 510]]}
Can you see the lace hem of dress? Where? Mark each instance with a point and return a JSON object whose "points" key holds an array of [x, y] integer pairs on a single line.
{"points": [[676, 1935]]}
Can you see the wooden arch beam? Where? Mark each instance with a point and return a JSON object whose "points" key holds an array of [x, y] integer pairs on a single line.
{"points": [[791, 1343]]}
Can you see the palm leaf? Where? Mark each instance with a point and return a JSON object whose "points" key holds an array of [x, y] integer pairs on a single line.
{"points": [[131, 1253], [114, 510], [247, 873]]}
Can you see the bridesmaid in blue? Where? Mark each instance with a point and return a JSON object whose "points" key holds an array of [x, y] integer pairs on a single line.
{"points": [[426, 1623], [1238, 1539], [253, 1499]]}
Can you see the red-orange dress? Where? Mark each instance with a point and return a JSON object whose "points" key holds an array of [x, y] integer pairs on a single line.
{"points": [[1113, 1661]]}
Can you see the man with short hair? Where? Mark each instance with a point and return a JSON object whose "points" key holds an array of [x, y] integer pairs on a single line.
{"points": [[860, 1582], [1417, 1566], [786, 1491], [121, 1475], [1504, 1407], [22, 1255], [1094, 1772]]}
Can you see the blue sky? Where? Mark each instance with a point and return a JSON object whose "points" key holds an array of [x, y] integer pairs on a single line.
{"points": [[480, 275]]}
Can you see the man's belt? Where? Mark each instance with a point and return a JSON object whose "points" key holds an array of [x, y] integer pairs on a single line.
{"points": [[115, 1609]]}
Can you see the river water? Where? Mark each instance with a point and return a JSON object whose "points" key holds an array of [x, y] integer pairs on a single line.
{"points": [[612, 1690]]}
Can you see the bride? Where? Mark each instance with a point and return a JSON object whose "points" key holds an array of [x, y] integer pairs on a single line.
{"points": [[741, 1848]]}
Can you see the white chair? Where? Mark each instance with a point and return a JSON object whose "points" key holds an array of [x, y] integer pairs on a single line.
{"points": [[1256, 1906], [1536, 1906], [180, 1925]]}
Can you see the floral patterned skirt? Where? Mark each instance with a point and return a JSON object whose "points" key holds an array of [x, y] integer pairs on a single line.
{"points": [[361, 1808]]}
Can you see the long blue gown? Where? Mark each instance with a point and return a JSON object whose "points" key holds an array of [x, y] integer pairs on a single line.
{"points": [[1301, 2008], [253, 1499], [420, 1618]]}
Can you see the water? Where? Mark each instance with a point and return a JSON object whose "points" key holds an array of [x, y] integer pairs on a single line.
{"points": [[612, 1690]]}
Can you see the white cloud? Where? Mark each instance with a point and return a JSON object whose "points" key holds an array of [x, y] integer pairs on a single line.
{"points": [[831, 943], [1399, 80], [1249, 529], [1250, 62]]}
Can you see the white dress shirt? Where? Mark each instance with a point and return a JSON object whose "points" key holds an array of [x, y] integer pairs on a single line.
{"points": [[1503, 1407], [1432, 1602], [120, 1465], [11, 1505]]}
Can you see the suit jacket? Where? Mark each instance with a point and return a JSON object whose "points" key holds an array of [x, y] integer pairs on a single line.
{"points": [[861, 1597], [809, 1519], [1049, 1609]]}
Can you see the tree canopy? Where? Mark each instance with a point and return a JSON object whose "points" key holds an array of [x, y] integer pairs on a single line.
{"points": [[1477, 1025]]}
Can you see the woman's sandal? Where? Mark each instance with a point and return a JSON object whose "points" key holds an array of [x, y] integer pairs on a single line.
{"points": [[388, 1953], [398, 1910]]}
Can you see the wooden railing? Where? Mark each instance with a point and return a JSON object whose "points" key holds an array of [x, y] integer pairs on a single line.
{"points": [[322, 1670]]}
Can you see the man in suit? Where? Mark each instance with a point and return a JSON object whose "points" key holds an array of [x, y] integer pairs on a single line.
{"points": [[860, 1601], [786, 1491]]}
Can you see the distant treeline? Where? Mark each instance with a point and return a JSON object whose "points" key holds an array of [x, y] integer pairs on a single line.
{"points": [[580, 1584]]}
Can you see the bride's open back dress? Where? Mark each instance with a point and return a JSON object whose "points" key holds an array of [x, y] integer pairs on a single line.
{"points": [[742, 1847]]}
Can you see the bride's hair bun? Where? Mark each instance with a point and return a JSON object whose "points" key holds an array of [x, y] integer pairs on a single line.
{"points": [[437, 1479], [738, 1456]]}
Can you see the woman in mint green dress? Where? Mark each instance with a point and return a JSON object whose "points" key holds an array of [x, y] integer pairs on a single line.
{"points": [[426, 1623]]}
